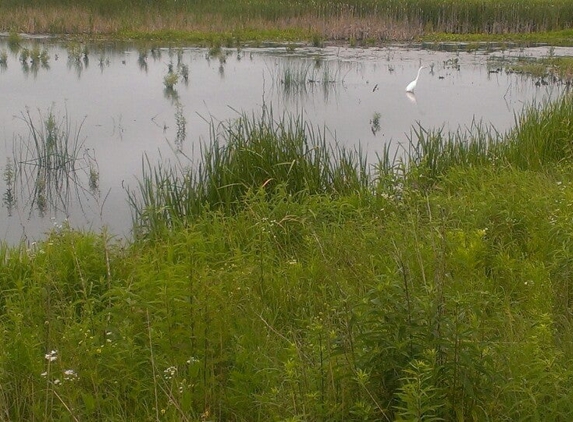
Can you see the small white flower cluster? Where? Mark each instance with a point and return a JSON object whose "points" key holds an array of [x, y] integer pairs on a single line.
{"points": [[52, 356], [169, 372], [58, 226], [70, 375]]}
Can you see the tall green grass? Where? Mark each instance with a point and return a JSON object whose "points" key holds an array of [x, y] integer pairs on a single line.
{"points": [[242, 156], [541, 138]]}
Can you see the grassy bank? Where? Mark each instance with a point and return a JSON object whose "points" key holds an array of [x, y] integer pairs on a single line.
{"points": [[437, 291], [368, 21]]}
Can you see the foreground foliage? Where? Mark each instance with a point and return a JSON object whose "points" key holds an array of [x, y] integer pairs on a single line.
{"points": [[439, 291]]}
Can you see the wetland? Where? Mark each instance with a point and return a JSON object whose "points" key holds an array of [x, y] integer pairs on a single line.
{"points": [[201, 225], [110, 107]]}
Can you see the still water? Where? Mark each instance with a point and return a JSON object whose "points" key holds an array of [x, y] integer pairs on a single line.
{"points": [[113, 102]]}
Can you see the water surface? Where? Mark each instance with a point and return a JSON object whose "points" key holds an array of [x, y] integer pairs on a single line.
{"points": [[116, 103]]}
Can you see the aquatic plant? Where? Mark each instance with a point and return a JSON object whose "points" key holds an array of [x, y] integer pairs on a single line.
{"points": [[184, 72], [24, 55], [77, 52], [294, 78], [3, 59], [299, 77], [181, 126], [216, 48], [8, 197], [50, 162], [375, 123], [170, 80], [14, 40], [39, 56], [142, 60], [243, 155]]}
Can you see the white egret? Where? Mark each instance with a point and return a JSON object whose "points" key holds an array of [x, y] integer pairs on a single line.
{"points": [[412, 85]]}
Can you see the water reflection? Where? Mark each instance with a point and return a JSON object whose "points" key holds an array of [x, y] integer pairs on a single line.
{"points": [[32, 59], [152, 100], [412, 98]]}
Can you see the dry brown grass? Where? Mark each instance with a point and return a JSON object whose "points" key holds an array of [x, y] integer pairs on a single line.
{"points": [[57, 20], [76, 20]]}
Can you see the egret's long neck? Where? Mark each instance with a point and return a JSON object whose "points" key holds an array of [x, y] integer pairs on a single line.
{"points": [[419, 70]]}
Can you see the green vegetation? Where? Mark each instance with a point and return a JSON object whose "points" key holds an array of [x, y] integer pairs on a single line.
{"points": [[279, 282], [49, 162], [247, 154], [297, 78], [366, 21], [552, 68]]}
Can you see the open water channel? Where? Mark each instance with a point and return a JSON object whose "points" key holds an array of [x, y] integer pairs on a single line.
{"points": [[112, 102]]}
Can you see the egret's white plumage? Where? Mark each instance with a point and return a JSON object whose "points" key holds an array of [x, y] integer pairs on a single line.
{"points": [[412, 85]]}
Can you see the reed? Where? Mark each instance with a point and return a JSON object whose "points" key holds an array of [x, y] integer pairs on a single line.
{"points": [[3, 59], [50, 166], [538, 140], [358, 20], [246, 154]]}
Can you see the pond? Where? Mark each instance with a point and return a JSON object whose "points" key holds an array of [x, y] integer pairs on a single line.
{"points": [[103, 109]]}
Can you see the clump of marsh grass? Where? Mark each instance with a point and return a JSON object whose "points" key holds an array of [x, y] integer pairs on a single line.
{"points": [[77, 52], [170, 80], [184, 71], [540, 138], [216, 48], [78, 57], [39, 56], [8, 197], [299, 77], [242, 155], [181, 126], [142, 60], [14, 41], [50, 161], [294, 78], [3, 59], [432, 152], [24, 55], [33, 59], [375, 123]]}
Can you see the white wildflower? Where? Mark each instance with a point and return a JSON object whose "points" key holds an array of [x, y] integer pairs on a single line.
{"points": [[170, 372], [70, 375], [52, 356]]}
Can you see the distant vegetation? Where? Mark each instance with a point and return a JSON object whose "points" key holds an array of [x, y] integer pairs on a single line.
{"points": [[352, 20], [275, 281]]}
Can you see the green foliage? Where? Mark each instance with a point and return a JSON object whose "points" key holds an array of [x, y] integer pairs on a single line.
{"points": [[438, 291], [48, 163], [170, 80], [243, 156]]}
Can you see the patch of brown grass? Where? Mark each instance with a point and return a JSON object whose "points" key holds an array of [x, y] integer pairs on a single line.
{"points": [[77, 20]]}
